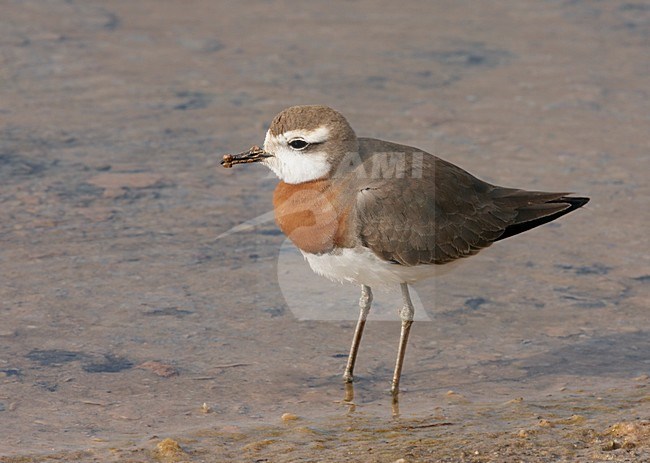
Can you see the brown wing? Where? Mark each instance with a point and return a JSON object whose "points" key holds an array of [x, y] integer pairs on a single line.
{"points": [[446, 214]]}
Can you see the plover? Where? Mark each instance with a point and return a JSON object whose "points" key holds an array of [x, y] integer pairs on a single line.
{"points": [[377, 213]]}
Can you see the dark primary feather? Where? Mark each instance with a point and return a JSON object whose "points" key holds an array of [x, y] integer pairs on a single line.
{"points": [[531, 216], [444, 215]]}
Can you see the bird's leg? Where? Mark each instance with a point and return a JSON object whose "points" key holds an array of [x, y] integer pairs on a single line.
{"points": [[406, 315], [349, 397], [364, 305]]}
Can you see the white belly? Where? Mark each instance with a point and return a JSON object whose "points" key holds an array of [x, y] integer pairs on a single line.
{"points": [[361, 266]]}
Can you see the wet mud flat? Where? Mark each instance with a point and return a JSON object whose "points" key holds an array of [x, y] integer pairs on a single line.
{"points": [[129, 332], [459, 430]]}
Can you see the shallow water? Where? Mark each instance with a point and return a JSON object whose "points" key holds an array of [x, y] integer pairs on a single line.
{"points": [[121, 314]]}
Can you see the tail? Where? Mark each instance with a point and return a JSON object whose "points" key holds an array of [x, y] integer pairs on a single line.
{"points": [[534, 208]]}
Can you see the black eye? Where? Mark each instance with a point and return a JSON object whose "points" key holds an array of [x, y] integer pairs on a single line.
{"points": [[298, 144]]}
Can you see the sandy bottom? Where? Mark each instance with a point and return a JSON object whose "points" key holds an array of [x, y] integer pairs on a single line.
{"points": [[135, 327]]}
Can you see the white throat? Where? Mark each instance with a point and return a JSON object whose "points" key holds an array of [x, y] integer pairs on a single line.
{"points": [[292, 166]]}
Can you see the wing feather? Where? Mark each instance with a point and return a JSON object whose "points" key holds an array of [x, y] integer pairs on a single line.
{"points": [[445, 213]]}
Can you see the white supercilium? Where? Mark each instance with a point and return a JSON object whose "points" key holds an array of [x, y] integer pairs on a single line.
{"points": [[295, 166]]}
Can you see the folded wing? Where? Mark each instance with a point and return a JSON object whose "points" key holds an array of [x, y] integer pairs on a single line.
{"points": [[447, 214]]}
